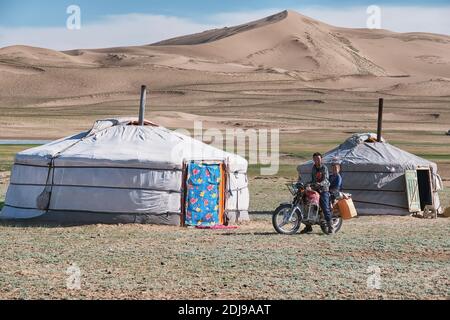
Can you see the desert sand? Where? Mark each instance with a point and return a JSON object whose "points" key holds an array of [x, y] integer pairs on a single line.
{"points": [[280, 57]]}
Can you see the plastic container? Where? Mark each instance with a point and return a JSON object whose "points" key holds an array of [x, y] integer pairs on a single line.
{"points": [[347, 209]]}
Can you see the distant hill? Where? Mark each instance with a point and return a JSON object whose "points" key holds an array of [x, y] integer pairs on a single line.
{"points": [[286, 45]]}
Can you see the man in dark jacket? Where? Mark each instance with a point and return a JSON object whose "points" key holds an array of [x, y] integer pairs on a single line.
{"points": [[320, 177]]}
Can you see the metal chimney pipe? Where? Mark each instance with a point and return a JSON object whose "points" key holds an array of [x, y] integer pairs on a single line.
{"points": [[142, 106], [380, 119]]}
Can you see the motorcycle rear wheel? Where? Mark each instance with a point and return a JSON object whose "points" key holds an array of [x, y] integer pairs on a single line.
{"points": [[283, 212]]}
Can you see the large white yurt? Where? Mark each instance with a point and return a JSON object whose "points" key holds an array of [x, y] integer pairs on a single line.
{"points": [[120, 172], [383, 179]]}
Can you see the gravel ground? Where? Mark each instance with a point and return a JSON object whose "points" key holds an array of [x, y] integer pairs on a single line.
{"points": [[400, 257]]}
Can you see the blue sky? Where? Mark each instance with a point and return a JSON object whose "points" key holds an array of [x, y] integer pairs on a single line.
{"points": [[42, 22], [51, 12]]}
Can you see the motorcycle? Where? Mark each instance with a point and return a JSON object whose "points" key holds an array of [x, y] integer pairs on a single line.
{"points": [[305, 209]]}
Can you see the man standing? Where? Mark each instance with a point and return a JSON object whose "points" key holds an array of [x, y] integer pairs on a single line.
{"points": [[320, 178]]}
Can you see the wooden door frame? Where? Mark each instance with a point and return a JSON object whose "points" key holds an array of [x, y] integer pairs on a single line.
{"points": [[430, 181], [224, 167], [415, 189]]}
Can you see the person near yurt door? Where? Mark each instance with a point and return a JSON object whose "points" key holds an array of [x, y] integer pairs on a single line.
{"points": [[203, 199]]}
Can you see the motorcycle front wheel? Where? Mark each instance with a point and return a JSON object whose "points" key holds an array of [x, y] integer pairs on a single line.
{"points": [[283, 222]]}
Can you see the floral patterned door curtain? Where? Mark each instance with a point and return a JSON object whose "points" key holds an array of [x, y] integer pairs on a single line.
{"points": [[203, 194]]}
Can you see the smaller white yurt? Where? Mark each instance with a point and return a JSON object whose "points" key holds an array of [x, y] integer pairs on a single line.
{"points": [[383, 179], [121, 172]]}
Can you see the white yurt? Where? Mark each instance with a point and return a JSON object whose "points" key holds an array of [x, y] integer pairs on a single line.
{"points": [[120, 172], [383, 179]]}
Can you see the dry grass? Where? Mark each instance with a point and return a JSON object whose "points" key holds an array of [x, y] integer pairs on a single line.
{"points": [[135, 262]]}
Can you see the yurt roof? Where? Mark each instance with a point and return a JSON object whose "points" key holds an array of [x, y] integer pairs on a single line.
{"points": [[120, 142], [364, 150]]}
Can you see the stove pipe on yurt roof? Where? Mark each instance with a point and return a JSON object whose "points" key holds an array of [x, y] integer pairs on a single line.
{"points": [[380, 119], [142, 105]]}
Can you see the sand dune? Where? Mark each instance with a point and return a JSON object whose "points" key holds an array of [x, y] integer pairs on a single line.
{"points": [[19, 69], [217, 34], [287, 42], [294, 42], [277, 57], [41, 57], [433, 87]]}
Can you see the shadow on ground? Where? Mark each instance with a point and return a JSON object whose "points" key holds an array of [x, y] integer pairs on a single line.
{"points": [[39, 223]]}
